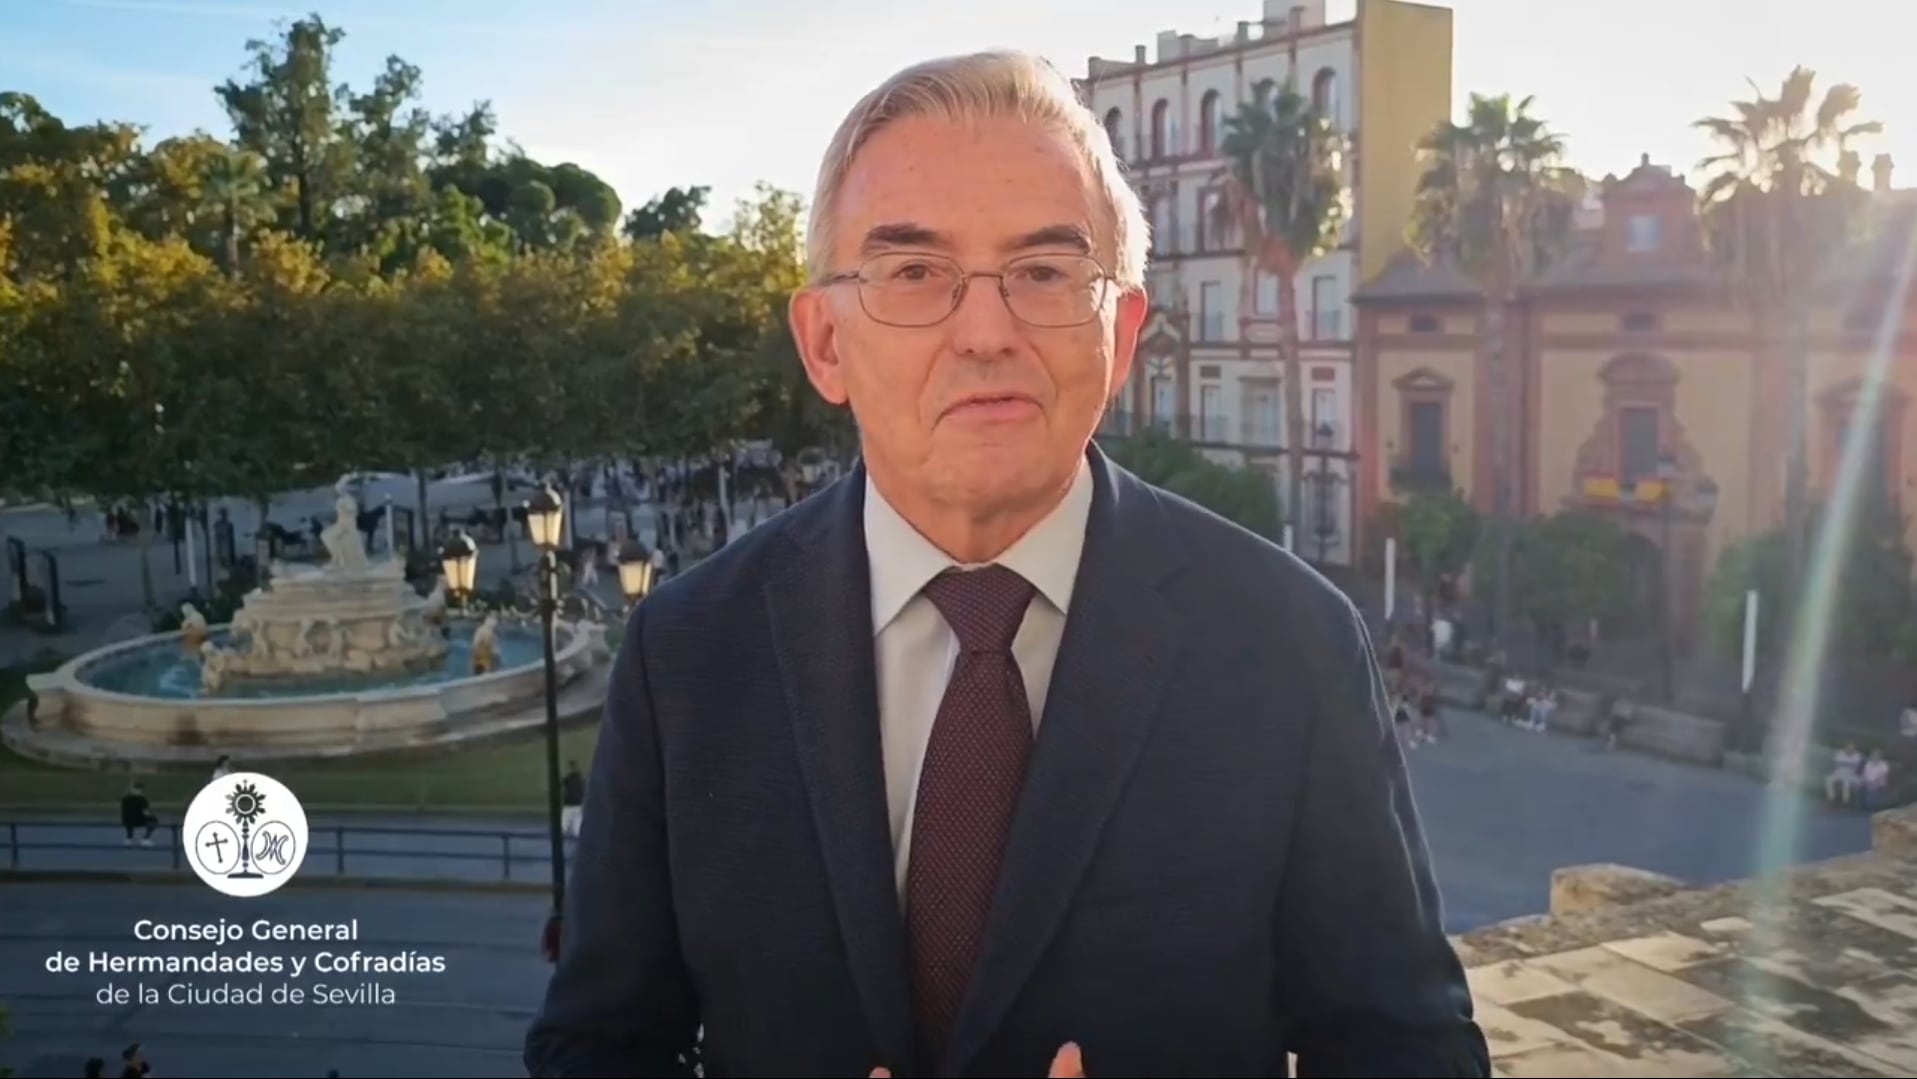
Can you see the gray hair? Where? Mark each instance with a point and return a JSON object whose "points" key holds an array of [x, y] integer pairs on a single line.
{"points": [[984, 84]]}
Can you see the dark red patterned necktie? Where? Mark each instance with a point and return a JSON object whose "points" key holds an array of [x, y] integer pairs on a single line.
{"points": [[968, 786]]}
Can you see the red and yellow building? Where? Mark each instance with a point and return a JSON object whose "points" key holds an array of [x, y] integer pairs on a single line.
{"points": [[1628, 352]]}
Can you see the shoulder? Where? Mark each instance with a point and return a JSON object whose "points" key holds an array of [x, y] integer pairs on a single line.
{"points": [[1228, 572]]}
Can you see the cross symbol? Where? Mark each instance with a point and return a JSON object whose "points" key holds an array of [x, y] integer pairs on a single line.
{"points": [[218, 843]]}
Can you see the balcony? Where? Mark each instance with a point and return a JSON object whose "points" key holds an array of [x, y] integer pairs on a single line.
{"points": [[1409, 477], [1262, 434], [1210, 428]]}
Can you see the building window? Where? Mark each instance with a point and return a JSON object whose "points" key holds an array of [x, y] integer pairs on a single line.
{"points": [[1324, 418], [1422, 458], [1211, 311], [1208, 123], [1643, 232], [1424, 324], [1424, 437], [1164, 238], [1640, 443], [1161, 128], [1267, 298], [1638, 322], [1327, 309], [1264, 412], [1164, 402], [1324, 94], [1211, 414], [1210, 220], [1114, 130]]}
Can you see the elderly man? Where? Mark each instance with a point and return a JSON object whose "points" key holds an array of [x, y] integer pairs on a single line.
{"points": [[992, 759]]}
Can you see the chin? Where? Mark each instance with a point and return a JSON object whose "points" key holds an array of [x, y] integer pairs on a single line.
{"points": [[998, 472]]}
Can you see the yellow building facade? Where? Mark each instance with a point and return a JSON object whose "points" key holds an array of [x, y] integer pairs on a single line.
{"points": [[1628, 362]]}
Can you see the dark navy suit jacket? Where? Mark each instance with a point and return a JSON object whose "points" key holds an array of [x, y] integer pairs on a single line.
{"points": [[1215, 861]]}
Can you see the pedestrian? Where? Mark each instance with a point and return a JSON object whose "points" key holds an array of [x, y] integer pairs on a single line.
{"points": [[136, 813], [823, 831]]}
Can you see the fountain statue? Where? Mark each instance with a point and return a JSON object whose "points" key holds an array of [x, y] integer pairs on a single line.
{"points": [[351, 616], [486, 646], [193, 631], [213, 667], [342, 538]]}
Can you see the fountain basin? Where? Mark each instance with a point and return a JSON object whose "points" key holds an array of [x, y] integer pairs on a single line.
{"points": [[93, 699]]}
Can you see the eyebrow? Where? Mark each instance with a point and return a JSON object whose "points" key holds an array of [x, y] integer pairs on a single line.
{"points": [[1071, 236], [907, 234]]}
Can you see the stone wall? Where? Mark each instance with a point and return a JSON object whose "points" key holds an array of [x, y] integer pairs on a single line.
{"points": [[1810, 972]]}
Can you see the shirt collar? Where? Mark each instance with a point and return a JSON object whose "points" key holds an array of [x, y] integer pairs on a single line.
{"points": [[902, 560]]}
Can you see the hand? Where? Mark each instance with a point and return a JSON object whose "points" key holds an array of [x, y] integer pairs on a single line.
{"points": [[1068, 1064]]}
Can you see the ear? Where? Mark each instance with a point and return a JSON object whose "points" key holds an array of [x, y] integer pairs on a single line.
{"points": [[813, 330], [1133, 306]]}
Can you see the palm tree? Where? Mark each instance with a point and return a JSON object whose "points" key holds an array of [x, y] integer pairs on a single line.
{"points": [[1284, 189], [234, 187], [1774, 219], [1495, 200]]}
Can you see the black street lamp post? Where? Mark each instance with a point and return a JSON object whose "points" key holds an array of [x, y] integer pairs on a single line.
{"points": [[545, 519], [635, 572]]}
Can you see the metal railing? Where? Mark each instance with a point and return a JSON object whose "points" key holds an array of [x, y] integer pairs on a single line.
{"points": [[363, 850]]}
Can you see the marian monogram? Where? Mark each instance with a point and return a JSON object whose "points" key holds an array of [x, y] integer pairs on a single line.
{"points": [[245, 834]]}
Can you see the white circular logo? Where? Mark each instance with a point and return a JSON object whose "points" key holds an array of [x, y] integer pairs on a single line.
{"points": [[245, 834]]}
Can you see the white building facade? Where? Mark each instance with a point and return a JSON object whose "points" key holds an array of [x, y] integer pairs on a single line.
{"points": [[1208, 369]]}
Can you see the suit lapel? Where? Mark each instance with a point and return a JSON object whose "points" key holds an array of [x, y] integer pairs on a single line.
{"points": [[821, 616], [1120, 646]]}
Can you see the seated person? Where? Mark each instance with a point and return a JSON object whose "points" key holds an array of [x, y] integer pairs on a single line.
{"points": [[1846, 776], [1875, 779]]}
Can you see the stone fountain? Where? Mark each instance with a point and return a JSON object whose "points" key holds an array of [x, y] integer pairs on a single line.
{"points": [[351, 616], [322, 662]]}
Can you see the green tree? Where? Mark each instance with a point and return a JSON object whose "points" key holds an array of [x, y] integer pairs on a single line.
{"points": [[1236, 494], [56, 187], [1439, 532], [289, 113], [1872, 611], [1495, 199], [1774, 217], [678, 210], [1567, 568], [1285, 190]]}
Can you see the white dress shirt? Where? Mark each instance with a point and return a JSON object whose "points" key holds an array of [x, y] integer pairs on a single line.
{"points": [[915, 649]]}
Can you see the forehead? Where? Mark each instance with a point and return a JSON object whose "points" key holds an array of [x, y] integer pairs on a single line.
{"points": [[979, 182]]}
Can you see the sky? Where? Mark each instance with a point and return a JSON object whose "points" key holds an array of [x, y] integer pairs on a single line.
{"points": [[655, 93]]}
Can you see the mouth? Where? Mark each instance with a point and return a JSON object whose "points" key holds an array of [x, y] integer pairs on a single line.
{"points": [[993, 406]]}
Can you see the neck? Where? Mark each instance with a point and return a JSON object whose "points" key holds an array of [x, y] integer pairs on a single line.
{"points": [[969, 534]]}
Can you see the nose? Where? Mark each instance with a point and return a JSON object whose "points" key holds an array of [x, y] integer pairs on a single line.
{"points": [[983, 325]]}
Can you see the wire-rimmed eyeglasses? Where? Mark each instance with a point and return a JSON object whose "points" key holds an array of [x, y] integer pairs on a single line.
{"points": [[912, 290]]}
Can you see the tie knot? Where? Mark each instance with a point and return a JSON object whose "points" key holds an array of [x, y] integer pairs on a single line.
{"points": [[984, 607]]}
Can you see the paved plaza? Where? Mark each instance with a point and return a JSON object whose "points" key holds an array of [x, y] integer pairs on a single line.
{"points": [[1503, 808]]}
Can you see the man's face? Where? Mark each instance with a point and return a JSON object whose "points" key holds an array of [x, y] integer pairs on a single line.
{"points": [[981, 410]]}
